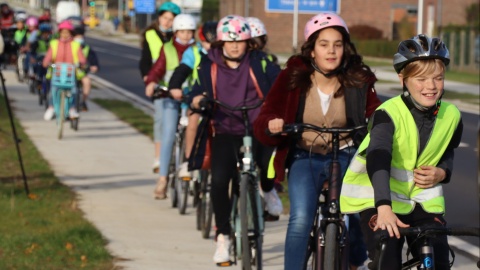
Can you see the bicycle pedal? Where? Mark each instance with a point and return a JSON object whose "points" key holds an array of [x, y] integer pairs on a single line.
{"points": [[268, 217], [225, 264]]}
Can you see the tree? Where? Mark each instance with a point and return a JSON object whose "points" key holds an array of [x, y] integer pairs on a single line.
{"points": [[210, 10]]}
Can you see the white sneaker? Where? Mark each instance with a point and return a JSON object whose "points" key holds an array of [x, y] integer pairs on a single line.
{"points": [[49, 114], [273, 202], [72, 113], [183, 171], [222, 253], [156, 165]]}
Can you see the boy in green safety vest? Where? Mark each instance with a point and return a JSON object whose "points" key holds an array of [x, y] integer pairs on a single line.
{"points": [[187, 72], [92, 62], [395, 179], [39, 48]]}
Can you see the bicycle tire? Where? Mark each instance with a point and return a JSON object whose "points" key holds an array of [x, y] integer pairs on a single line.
{"points": [[331, 259], [250, 235], [74, 122], [171, 182], [183, 187], [61, 115], [205, 206]]}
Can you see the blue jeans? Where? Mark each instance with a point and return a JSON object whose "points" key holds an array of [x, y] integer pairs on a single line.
{"points": [[165, 127], [305, 182]]}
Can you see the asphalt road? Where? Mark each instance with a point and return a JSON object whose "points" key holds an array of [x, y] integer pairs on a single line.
{"points": [[119, 65]]}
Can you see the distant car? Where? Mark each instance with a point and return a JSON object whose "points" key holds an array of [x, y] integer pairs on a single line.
{"points": [[87, 21]]}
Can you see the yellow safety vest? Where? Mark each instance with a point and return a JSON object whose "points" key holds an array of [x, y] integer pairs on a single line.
{"points": [[75, 48], [172, 60], [357, 192], [154, 44]]}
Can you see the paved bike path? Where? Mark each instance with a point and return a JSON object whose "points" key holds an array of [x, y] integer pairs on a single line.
{"points": [[108, 164]]}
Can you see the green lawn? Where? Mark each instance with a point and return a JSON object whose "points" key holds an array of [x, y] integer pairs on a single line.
{"points": [[45, 230]]}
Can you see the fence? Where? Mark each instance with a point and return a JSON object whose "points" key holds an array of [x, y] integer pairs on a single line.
{"points": [[464, 47]]}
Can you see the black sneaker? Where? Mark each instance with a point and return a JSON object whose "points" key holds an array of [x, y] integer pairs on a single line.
{"points": [[84, 106]]}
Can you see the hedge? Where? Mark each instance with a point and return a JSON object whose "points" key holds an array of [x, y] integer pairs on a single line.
{"points": [[376, 48]]}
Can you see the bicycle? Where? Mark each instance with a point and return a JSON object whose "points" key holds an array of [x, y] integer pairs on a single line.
{"points": [[425, 260], [179, 187], [247, 219], [328, 244], [63, 80]]}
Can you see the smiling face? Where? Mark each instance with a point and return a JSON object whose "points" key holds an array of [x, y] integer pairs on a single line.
{"points": [[235, 49], [424, 80], [328, 50]]}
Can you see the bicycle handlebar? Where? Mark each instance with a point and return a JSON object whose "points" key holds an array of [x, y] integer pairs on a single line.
{"points": [[381, 237], [296, 128], [161, 91], [205, 102]]}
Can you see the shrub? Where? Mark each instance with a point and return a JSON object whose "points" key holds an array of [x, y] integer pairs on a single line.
{"points": [[362, 32]]}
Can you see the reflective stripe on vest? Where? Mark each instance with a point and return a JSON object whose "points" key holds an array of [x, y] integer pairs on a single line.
{"points": [[154, 44], [172, 60], [198, 57], [74, 45], [357, 191]]}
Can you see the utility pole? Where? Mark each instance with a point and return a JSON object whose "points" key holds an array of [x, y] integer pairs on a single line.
{"points": [[295, 26], [420, 17]]}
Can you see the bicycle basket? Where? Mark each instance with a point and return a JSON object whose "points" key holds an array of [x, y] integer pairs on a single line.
{"points": [[63, 76]]}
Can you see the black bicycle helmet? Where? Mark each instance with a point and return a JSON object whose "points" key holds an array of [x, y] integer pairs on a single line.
{"points": [[417, 48], [208, 31]]}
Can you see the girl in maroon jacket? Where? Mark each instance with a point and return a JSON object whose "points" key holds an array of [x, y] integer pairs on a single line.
{"points": [[328, 85]]}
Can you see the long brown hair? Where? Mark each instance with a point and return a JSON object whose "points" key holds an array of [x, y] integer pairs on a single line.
{"points": [[352, 72]]}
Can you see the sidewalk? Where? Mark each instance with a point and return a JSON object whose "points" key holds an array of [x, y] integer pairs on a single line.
{"points": [[108, 164]]}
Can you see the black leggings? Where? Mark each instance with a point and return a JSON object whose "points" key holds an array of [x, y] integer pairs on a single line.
{"points": [[393, 252], [225, 155]]}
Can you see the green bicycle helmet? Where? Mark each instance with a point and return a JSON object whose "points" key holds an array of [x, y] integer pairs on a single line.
{"points": [[169, 6]]}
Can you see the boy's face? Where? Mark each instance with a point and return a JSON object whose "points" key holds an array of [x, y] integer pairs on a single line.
{"points": [[45, 35], [184, 35], [20, 25], [427, 88]]}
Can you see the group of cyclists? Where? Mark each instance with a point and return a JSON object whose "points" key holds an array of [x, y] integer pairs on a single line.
{"points": [[393, 180], [392, 173], [34, 43]]}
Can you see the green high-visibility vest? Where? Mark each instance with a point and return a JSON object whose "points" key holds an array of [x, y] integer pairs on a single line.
{"points": [[42, 47], [172, 60], [357, 192], [19, 35], [154, 44]]}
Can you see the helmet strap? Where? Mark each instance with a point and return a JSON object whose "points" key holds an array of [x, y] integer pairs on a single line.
{"points": [[329, 74], [238, 59]]}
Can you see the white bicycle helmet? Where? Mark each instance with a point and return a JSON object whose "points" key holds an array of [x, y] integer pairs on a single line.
{"points": [[257, 27], [184, 22], [21, 17]]}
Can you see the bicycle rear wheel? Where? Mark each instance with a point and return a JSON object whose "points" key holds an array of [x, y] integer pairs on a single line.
{"points": [[204, 206], [331, 257], [75, 121], [172, 175], [252, 238], [61, 115]]}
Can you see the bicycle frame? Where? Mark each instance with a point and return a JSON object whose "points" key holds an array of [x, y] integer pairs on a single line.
{"points": [[63, 90], [329, 226]]}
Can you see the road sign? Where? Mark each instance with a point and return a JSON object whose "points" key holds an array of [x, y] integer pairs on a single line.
{"points": [[144, 6], [304, 6]]}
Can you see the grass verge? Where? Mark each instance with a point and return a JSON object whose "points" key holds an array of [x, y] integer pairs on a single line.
{"points": [[144, 124], [45, 230]]}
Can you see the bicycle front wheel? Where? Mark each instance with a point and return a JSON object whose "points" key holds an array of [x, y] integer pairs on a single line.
{"points": [[204, 206], [331, 257], [61, 115], [252, 238], [183, 186]]}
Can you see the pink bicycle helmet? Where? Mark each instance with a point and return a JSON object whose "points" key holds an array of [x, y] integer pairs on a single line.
{"points": [[233, 28], [65, 25], [321, 21], [256, 27], [32, 21]]}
